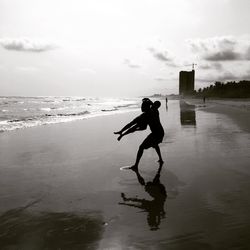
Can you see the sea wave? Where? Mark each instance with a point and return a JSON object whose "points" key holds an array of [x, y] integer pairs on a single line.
{"points": [[27, 122], [126, 105], [108, 110], [45, 109], [21, 112]]}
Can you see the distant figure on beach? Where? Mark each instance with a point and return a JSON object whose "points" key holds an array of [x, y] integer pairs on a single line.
{"points": [[149, 117], [204, 99], [166, 103], [155, 207]]}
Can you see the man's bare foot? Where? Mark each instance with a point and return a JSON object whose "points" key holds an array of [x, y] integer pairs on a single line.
{"points": [[120, 137], [118, 133]]}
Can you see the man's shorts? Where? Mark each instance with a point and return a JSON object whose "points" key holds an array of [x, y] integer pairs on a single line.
{"points": [[152, 140]]}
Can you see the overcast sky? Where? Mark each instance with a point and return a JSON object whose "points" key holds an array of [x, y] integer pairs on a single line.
{"points": [[120, 47]]}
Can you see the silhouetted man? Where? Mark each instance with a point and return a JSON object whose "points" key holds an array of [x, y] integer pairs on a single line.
{"points": [[150, 117]]}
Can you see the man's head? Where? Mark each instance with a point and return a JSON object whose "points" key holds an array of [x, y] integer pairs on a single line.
{"points": [[156, 104], [146, 104]]}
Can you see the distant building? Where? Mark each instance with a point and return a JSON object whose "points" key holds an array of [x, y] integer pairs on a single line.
{"points": [[186, 82]]}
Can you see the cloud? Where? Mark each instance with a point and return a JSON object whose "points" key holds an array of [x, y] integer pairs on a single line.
{"points": [[208, 66], [130, 64], [225, 76], [248, 53], [26, 44], [161, 56], [172, 64], [226, 55], [245, 76], [221, 48], [169, 77]]}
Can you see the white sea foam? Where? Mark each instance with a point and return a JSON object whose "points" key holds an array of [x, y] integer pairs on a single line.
{"points": [[26, 112], [45, 109]]}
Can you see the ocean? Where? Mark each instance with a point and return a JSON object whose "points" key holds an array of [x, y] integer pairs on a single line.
{"points": [[23, 112]]}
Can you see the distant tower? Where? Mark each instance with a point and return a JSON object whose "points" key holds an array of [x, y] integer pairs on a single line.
{"points": [[186, 82]]}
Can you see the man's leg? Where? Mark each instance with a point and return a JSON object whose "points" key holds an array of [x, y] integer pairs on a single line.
{"points": [[158, 151], [147, 143], [138, 157], [130, 130]]}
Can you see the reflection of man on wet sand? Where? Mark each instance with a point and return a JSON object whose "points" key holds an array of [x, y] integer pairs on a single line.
{"points": [[149, 117], [155, 207]]}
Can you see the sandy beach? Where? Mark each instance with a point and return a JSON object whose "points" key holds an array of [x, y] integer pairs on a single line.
{"points": [[62, 187]]}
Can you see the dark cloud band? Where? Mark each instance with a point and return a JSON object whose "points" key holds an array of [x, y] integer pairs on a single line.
{"points": [[161, 56], [26, 44], [221, 48]]}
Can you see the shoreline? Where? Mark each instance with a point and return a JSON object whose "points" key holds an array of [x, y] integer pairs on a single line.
{"points": [[16, 113], [69, 120], [216, 105]]}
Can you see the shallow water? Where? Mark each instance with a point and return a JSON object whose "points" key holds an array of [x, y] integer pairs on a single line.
{"points": [[57, 195]]}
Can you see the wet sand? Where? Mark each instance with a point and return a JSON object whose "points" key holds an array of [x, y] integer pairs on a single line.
{"points": [[236, 109], [62, 187]]}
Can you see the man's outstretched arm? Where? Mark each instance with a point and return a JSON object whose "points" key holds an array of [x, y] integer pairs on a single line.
{"points": [[129, 125]]}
